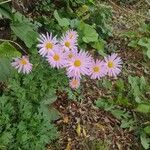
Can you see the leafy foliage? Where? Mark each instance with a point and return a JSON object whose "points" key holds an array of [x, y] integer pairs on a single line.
{"points": [[7, 51], [145, 141], [29, 124], [102, 18], [21, 26], [89, 33], [138, 87], [140, 39], [63, 22], [133, 96], [124, 116], [24, 29], [5, 11], [90, 19], [21, 126], [5, 69], [25, 115]]}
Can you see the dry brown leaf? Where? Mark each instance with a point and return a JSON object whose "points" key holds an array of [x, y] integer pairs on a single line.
{"points": [[68, 147], [65, 119], [84, 132], [100, 126], [78, 129]]}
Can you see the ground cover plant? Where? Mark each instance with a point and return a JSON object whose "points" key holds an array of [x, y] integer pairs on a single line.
{"points": [[74, 75]]}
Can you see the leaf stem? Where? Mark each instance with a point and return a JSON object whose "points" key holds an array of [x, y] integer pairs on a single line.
{"points": [[4, 40], [5, 2]]}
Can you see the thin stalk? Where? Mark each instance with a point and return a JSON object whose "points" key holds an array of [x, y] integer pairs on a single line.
{"points": [[5, 2], [4, 40]]}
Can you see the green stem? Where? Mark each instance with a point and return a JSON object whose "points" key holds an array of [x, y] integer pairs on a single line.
{"points": [[4, 40], [5, 2]]}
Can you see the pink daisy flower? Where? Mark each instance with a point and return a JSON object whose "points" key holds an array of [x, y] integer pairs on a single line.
{"points": [[47, 44], [22, 64], [70, 54], [57, 58], [79, 65], [74, 83], [68, 44], [98, 69], [113, 64], [71, 34]]}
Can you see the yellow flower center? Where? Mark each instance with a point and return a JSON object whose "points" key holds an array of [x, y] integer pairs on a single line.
{"points": [[77, 63], [67, 44], [56, 57], [49, 45], [70, 55], [96, 69], [110, 64], [23, 61]]}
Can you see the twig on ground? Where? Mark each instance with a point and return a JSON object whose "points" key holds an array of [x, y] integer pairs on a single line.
{"points": [[147, 2]]}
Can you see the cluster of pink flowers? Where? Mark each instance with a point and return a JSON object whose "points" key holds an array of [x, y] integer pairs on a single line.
{"points": [[64, 53]]}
